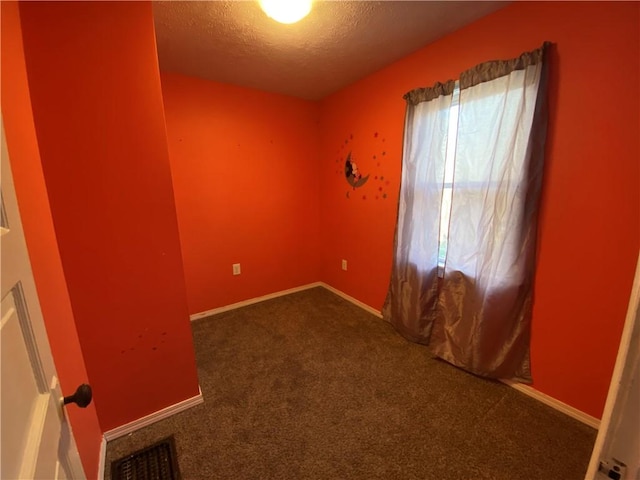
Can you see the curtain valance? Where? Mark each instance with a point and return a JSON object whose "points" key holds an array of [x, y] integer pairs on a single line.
{"points": [[483, 72]]}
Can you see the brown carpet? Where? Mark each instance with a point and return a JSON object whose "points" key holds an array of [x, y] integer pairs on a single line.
{"points": [[309, 386]]}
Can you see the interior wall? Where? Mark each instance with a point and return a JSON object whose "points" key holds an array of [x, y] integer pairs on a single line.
{"points": [[276, 166], [590, 213], [40, 236], [97, 107], [245, 173]]}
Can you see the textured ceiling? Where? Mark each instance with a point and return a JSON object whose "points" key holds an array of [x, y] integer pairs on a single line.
{"points": [[338, 43]]}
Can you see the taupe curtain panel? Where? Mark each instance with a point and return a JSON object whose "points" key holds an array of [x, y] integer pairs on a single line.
{"points": [[465, 243]]}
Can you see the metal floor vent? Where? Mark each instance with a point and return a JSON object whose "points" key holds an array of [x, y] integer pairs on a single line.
{"points": [[155, 462]]}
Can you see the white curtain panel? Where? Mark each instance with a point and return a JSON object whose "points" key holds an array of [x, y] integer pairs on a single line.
{"points": [[490, 173], [422, 182], [464, 252]]}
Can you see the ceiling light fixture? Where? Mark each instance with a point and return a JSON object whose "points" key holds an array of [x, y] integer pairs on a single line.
{"points": [[286, 11]]}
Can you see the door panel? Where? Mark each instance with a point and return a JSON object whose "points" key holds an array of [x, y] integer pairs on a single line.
{"points": [[616, 453], [36, 438], [21, 397]]}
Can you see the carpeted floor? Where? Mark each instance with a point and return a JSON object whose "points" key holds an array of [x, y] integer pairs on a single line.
{"points": [[309, 386]]}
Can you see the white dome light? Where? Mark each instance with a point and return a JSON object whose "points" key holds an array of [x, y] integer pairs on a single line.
{"points": [[286, 11]]}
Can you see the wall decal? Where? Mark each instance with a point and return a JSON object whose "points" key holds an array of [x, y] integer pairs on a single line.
{"points": [[353, 175], [370, 152]]}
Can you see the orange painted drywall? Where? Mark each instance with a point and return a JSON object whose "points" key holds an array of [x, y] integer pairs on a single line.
{"points": [[590, 218], [97, 108], [245, 171], [40, 235]]}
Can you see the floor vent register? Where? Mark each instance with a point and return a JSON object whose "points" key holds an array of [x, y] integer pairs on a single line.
{"points": [[155, 462]]}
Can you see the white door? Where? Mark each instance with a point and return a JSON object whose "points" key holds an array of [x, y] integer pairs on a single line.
{"points": [[616, 453], [36, 439]]}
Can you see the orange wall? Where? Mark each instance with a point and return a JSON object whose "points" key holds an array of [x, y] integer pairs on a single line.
{"points": [[589, 231], [97, 107], [40, 235], [258, 180], [245, 172]]}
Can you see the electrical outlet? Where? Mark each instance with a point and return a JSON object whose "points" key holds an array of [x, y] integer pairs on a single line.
{"points": [[236, 269], [344, 264]]}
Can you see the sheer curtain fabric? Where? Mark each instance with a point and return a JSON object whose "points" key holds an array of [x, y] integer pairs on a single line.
{"points": [[464, 252]]}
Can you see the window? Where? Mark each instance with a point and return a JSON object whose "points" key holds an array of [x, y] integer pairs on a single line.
{"points": [[447, 190], [470, 150], [473, 156]]}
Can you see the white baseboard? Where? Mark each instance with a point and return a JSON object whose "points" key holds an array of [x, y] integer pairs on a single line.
{"points": [[102, 459], [154, 417], [251, 301], [554, 403], [527, 390], [364, 306]]}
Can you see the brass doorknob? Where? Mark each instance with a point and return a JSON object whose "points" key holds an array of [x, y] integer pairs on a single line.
{"points": [[81, 397]]}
